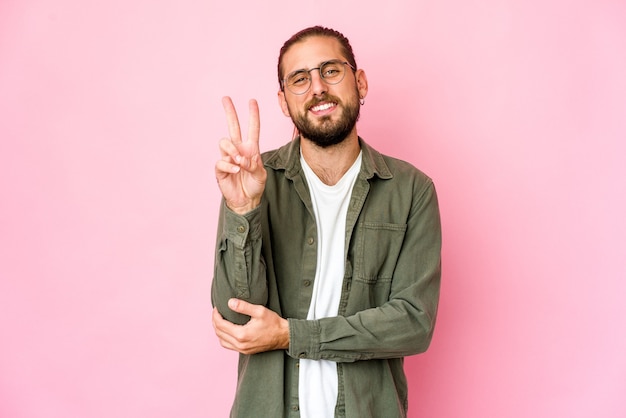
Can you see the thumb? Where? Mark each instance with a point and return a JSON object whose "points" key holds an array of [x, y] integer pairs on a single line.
{"points": [[242, 307], [257, 168]]}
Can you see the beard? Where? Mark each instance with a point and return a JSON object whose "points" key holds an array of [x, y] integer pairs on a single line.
{"points": [[327, 133]]}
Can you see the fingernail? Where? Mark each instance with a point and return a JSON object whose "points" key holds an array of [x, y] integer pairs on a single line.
{"points": [[238, 159], [232, 303]]}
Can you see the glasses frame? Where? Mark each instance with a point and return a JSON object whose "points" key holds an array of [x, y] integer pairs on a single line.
{"points": [[318, 68]]}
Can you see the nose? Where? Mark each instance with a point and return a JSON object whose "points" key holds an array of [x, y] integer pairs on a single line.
{"points": [[318, 86]]}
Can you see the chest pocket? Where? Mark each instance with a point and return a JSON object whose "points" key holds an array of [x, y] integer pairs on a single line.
{"points": [[378, 245]]}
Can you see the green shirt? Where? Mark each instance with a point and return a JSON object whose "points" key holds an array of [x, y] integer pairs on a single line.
{"points": [[390, 289]]}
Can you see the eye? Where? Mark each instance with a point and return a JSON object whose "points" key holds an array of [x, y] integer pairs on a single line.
{"points": [[331, 70], [298, 78]]}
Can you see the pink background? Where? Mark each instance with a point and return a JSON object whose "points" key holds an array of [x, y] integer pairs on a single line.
{"points": [[110, 115]]}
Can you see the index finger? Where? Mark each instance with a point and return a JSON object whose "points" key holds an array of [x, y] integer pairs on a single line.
{"points": [[254, 122], [234, 131]]}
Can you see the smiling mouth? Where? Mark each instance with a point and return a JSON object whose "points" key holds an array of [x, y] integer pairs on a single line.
{"points": [[323, 106]]}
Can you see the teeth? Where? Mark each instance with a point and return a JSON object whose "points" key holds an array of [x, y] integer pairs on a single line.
{"points": [[324, 106]]}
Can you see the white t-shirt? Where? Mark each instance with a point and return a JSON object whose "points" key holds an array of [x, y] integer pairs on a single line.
{"points": [[318, 383]]}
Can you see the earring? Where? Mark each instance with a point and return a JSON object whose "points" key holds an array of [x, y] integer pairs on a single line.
{"points": [[362, 101]]}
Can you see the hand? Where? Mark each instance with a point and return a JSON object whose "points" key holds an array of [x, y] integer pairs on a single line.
{"points": [[266, 330], [240, 173]]}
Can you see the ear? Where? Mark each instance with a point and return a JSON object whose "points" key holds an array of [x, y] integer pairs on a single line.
{"points": [[361, 83], [282, 102]]}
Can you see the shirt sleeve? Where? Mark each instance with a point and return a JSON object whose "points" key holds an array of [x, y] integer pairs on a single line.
{"points": [[239, 266], [404, 324]]}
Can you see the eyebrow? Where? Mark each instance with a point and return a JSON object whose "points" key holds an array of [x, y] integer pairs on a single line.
{"points": [[317, 66]]}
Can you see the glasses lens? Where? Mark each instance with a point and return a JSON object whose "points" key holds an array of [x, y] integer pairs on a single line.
{"points": [[332, 71], [298, 82]]}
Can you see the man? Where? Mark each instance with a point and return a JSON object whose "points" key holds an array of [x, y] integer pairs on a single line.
{"points": [[327, 263]]}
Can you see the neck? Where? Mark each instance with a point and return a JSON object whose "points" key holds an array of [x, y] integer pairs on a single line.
{"points": [[331, 163]]}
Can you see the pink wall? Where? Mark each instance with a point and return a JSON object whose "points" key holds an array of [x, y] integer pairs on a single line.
{"points": [[109, 120]]}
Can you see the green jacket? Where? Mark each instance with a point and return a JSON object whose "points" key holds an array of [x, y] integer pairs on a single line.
{"points": [[390, 289]]}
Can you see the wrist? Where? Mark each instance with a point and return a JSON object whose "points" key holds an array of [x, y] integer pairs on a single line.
{"points": [[243, 209]]}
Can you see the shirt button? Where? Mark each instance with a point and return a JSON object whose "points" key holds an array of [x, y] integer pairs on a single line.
{"points": [[302, 355], [310, 241], [307, 283], [295, 408], [241, 229]]}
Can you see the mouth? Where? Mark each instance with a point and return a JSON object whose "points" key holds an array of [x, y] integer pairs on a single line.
{"points": [[323, 108]]}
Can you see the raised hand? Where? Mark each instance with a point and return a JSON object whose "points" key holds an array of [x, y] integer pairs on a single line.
{"points": [[240, 172]]}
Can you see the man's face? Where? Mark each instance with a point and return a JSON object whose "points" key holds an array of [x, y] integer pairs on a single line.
{"points": [[327, 113]]}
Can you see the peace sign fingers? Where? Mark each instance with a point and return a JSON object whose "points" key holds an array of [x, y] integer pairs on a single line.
{"points": [[240, 172], [250, 147]]}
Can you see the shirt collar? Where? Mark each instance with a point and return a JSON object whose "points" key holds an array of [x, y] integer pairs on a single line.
{"points": [[287, 158]]}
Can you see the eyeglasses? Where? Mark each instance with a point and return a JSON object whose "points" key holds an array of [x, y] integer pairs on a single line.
{"points": [[332, 72]]}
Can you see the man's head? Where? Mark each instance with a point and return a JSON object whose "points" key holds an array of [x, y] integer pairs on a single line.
{"points": [[324, 106], [315, 31]]}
